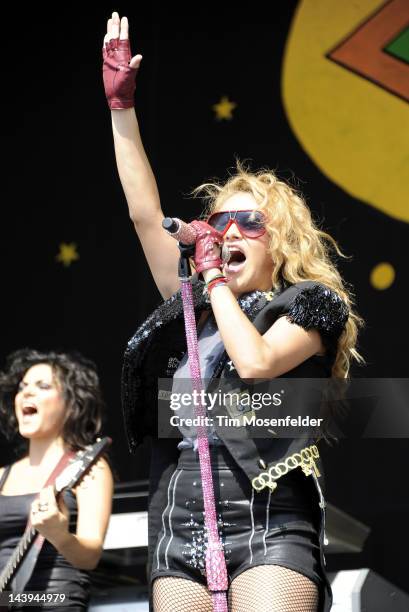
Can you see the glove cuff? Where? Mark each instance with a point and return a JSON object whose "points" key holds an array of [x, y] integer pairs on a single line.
{"points": [[120, 104], [208, 264]]}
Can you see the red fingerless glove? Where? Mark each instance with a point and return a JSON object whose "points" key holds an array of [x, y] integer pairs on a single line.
{"points": [[119, 77], [206, 256]]}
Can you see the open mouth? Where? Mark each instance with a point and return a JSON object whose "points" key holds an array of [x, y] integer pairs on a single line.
{"points": [[235, 262], [28, 411]]}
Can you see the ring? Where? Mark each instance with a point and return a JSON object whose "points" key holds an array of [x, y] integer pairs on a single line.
{"points": [[43, 507]]}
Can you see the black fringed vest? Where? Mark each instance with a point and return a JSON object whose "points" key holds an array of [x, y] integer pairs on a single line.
{"points": [[159, 343]]}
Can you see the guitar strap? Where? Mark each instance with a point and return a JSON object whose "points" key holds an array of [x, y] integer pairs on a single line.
{"points": [[26, 569]]}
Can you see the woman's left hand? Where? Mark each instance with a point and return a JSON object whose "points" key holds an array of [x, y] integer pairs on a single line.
{"points": [[48, 517], [208, 247]]}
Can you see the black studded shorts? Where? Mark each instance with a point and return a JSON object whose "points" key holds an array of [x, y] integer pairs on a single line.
{"points": [[256, 528]]}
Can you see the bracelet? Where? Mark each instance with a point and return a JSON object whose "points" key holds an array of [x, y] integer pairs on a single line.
{"points": [[217, 283], [219, 279], [215, 278]]}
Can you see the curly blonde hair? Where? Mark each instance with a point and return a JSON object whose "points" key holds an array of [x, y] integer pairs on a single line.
{"points": [[300, 250]]}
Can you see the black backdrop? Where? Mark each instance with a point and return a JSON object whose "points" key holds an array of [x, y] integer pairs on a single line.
{"points": [[61, 185]]}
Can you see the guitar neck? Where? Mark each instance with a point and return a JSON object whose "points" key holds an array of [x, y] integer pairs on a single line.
{"points": [[18, 555], [16, 558]]}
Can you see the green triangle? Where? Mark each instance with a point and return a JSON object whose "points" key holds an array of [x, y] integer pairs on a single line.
{"points": [[399, 46]]}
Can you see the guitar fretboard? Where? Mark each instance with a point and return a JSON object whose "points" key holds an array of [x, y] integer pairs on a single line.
{"points": [[16, 557]]}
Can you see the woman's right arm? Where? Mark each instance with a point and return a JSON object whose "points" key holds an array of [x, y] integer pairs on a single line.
{"points": [[139, 185]]}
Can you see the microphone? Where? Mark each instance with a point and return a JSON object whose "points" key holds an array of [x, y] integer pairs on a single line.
{"points": [[179, 230], [186, 234]]}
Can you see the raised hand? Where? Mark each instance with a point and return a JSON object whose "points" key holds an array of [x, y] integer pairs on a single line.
{"points": [[119, 67]]}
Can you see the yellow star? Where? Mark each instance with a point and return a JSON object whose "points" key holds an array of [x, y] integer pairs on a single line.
{"points": [[224, 108], [68, 253]]}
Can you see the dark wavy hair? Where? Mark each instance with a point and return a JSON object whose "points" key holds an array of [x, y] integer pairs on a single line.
{"points": [[80, 388]]}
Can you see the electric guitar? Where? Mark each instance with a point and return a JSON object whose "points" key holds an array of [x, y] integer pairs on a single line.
{"points": [[78, 466]]}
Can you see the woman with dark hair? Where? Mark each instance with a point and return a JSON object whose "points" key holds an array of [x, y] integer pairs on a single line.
{"points": [[51, 403], [275, 306]]}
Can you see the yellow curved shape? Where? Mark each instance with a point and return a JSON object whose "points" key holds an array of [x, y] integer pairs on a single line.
{"points": [[356, 132]]}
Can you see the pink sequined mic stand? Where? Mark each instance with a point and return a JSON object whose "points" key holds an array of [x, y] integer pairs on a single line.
{"points": [[216, 570]]}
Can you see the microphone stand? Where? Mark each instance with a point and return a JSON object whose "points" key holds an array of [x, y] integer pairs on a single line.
{"points": [[216, 570]]}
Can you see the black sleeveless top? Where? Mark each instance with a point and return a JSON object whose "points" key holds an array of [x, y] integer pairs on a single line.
{"points": [[52, 573]]}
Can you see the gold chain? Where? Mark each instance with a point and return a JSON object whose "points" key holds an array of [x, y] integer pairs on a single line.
{"points": [[304, 459]]}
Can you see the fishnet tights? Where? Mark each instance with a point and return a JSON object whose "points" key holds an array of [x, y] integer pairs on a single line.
{"points": [[272, 588], [265, 588]]}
